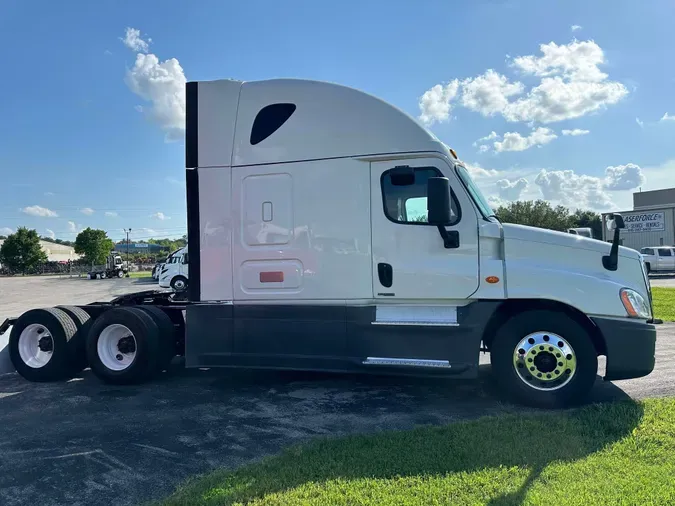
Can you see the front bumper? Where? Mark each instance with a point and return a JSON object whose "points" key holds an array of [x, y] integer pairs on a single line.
{"points": [[630, 347]]}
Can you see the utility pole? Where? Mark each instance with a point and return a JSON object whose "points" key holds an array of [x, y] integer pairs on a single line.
{"points": [[127, 232]]}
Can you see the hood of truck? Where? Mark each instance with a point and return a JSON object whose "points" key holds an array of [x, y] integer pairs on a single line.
{"points": [[544, 264], [563, 239]]}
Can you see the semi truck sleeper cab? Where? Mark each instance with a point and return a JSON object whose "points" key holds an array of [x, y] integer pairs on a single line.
{"points": [[329, 230]]}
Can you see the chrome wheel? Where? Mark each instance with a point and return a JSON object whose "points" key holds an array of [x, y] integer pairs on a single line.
{"points": [[544, 361], [179, 285], [36, 346], [116, 347]]}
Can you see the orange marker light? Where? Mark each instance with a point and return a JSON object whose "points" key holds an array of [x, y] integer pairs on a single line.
{"points": [[492, 279]]}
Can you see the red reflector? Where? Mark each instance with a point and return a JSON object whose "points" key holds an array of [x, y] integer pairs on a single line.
{"points": [[272, 277]]}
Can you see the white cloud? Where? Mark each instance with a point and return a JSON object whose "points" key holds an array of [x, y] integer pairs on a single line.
{"points": [[489, 137], [577, 61], [160, 216], [50, 234], [574, 190], [39, 211], [640, 123], [576, 27], [142, 233], [477, 172], [111, 214], [435, 105], [489, 93], [49, 194], [571, 85], [132, 39], [483, 148], [511, 190], [624, 177], [6, 231], [589, 192], [667, 117], [87, 210], [73, 228], [161, 84], [513, 141], [575, 132]]}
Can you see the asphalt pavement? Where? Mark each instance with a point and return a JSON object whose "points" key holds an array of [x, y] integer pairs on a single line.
{"points": [[85, 443]]}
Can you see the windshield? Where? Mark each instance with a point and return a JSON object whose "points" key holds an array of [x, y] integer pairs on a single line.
{"points": [[475, 193]]}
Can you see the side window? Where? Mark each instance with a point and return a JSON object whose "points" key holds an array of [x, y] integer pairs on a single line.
{"points": [[185, 258], [665, 253], [407, 203]]}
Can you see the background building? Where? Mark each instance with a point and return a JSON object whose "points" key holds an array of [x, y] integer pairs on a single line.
{"points": [[138, 247], [651, 221], [56, 252]]}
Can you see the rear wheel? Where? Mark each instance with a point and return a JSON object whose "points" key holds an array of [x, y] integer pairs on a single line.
{"points": [[103, 275], [167, 337], [83, 322], [41, 345], [123, 346], [544, 359]]}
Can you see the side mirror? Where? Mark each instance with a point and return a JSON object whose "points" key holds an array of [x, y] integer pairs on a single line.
{"points": [[615, 221], [438, 201]]}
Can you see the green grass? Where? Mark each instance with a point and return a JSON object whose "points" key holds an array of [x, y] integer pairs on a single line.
{"points": [[664, 303], [611, 454], [140, 274]]}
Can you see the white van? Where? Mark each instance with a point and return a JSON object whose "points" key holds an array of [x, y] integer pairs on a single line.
{"points": [[174, 273]]}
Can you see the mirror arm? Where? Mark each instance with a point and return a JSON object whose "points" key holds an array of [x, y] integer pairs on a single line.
{"points": [[450, 239]]}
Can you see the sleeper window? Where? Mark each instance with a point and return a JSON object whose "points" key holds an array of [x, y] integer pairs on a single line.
{"points": [[408, 203]]}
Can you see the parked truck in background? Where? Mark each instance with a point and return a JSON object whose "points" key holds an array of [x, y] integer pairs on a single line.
{"points": [[659, 259], [174, 273], [425, 276], [114, 267]]}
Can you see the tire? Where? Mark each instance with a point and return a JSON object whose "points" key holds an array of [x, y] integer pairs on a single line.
{"points": [[35, 364], [134, 366], [179, 283], [543, 328], [167, 338], [83, 323], [103, 275], [120, 274]]}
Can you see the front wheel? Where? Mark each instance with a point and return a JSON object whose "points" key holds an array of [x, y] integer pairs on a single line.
{"points": [[120, 274], [179, 284], [544, 359]]}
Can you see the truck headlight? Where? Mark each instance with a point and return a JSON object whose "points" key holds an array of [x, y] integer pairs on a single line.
{"points": [[635, 304]]}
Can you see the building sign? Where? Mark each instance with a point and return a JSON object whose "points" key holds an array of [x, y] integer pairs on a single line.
{"points": [[645, 222]]}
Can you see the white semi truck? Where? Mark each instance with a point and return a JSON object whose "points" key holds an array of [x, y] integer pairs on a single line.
{"points": [[174, 273], [329, 230], [114, 267]]}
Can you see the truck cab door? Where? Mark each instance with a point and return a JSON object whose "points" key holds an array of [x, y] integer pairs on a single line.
{"points": [[410, 258]]}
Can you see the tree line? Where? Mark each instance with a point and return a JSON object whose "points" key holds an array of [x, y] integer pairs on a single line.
{"points": [[22, 253], [539, 213]]}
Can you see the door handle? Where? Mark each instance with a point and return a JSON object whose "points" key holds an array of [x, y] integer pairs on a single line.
{"points": [[386, 274]]}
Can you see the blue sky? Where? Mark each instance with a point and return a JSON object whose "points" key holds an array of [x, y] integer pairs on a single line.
{"points": [[88, 135]]}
